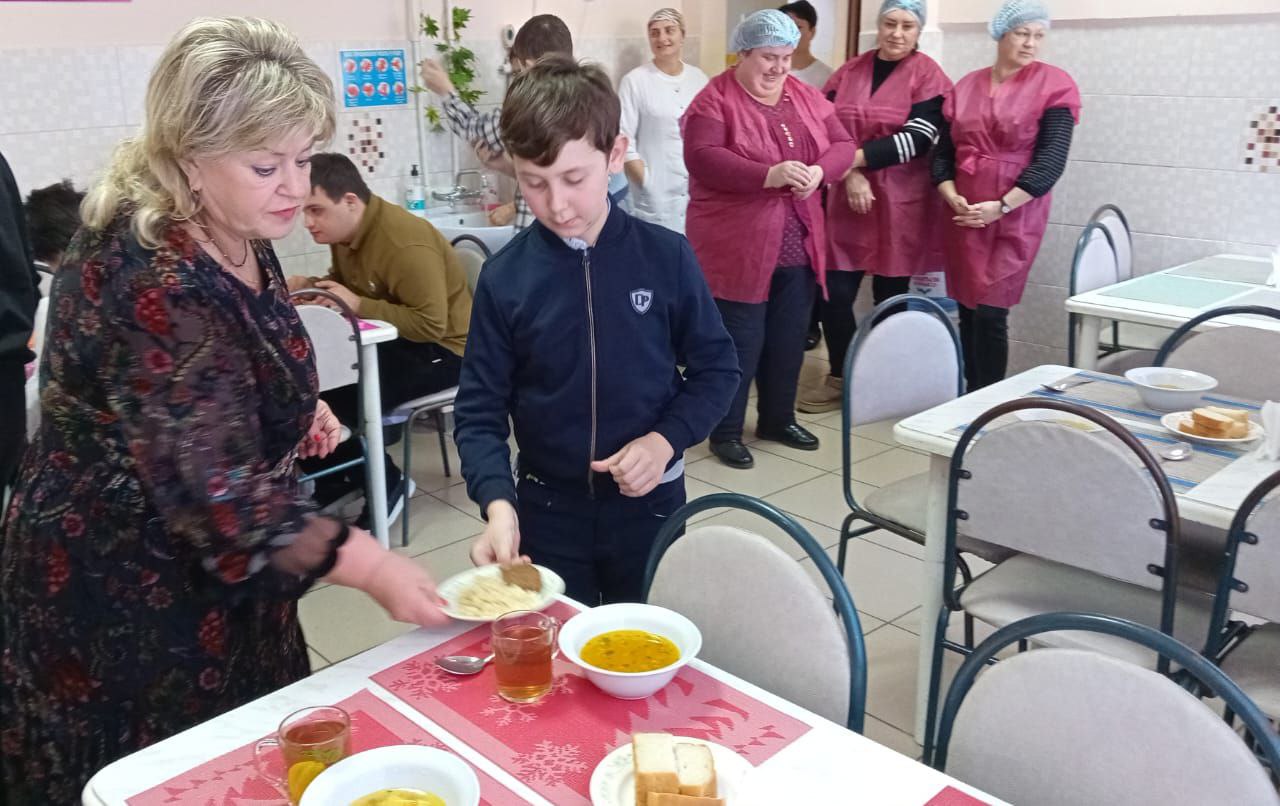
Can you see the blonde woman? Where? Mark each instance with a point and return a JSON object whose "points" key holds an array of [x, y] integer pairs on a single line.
{"points": [[157, 543]]}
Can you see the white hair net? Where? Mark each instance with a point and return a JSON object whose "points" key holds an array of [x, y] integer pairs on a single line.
{"points": [[1017, 12], [914, 7], [764, 29]]}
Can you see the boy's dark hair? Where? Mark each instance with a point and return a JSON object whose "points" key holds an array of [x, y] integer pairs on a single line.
{"points": [[53, 216], [337, 176], [804, 10], [541, 36], [555, 101]]}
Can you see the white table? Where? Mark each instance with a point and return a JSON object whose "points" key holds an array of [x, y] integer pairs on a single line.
{"points": [[1212, 502], [827, 765], [1169, 298], [375, 471]]}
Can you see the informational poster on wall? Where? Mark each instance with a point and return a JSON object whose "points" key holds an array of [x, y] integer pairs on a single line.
{"points": [[373, 78]]}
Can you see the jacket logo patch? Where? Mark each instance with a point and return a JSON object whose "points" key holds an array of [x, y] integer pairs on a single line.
{"points": [[641, 299]]}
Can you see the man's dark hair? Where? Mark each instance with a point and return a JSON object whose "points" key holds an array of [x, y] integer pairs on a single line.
{"points": [[53, 216], [541, 36], [337, 176], [556, 101], [804, 10]]}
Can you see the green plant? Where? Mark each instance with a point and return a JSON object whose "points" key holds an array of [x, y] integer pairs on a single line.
{"points": [[458, 61]]}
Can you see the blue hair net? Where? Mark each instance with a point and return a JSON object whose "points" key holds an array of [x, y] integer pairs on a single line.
{"points": [[764, 29], [1017, 12], [915, 7]]}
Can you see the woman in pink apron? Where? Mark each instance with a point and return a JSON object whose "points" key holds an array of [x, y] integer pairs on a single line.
{"points": [[1005, 145], [886, 219], [758, 145]]}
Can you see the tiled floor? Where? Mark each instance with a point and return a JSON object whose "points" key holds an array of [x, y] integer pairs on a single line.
{"points": [[883, 570]]}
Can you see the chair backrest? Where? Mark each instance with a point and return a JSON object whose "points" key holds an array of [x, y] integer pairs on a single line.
{"points": [[1060, 727], [761, 615], [1111, 217], [1254, 585], [46, 280], [1242, 358], [472, 253], [335, 338], [1095, 262], [1095, 501]]}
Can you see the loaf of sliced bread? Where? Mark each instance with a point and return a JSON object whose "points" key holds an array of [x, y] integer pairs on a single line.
{"points": [[1210, 420], [696, 769], [654, 757], [663, 799]]}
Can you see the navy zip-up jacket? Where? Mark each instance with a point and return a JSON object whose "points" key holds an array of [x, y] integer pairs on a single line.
{"points": [[580, 348]]}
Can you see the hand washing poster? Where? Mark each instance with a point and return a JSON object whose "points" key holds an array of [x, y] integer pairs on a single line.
{"points": [[373, 78]]}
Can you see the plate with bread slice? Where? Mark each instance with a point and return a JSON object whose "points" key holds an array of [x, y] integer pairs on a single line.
{"points": [[1213, 425], [659, 769]]}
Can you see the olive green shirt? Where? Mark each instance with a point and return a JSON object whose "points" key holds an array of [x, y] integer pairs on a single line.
{"points": [[405, 273]]}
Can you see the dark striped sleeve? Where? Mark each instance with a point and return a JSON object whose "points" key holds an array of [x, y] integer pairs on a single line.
{"points": [[943, 165], [1053, 144], [912, 141]]}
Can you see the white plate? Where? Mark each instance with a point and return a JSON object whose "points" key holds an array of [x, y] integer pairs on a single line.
{"points": [[452, 588], [1171, 420], [1059, 417], [613, 783]]}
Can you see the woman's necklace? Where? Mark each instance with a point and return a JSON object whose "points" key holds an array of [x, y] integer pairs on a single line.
{"points": [[213, 240]]}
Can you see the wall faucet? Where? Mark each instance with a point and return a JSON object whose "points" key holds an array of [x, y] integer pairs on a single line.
{"points": [[458, 193]]}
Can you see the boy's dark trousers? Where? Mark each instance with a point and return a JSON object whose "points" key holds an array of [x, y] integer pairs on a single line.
{"points": [[598, 545]]}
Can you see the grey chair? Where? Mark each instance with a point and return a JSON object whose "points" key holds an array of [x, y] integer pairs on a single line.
{"points": [[1064, 727], [471, 253], [335, 344], [1242, 358], [1251, 583], [1094, 520], [761, 615], [913, 331], [1098, 263]]}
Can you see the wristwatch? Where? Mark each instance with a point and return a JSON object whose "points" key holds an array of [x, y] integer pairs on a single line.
{"points": [[1005, 209]]}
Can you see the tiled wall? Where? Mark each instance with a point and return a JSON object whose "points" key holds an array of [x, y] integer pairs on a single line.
{"points": [[1167, 105], [62, 112]]}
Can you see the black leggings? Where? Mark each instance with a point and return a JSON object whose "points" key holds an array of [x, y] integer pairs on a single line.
{"points": [[984, 335], [837, 310]]}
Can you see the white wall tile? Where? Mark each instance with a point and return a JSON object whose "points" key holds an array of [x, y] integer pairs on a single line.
{"points": [[1253, 200], [1198, 204], [1040, 318], [1234, 58], [1053, 262], [1144, 136], [49, 89], [136, 64], [40, 159], [1102, 132], [1209, 133], [1147, 253], [1176, 251]]}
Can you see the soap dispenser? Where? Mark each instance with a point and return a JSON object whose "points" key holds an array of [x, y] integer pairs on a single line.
{"points": [[415, 195]]}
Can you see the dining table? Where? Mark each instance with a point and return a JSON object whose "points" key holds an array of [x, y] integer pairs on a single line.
{"points": [[537, 753], [1208, 487], [1169, 298], [372, 333]]}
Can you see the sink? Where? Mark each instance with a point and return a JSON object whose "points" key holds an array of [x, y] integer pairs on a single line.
{"points": [[476, 223]]}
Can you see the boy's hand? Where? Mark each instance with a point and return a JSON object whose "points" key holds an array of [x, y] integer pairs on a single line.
{"points": [[343, 293], [639, 466], [500, 540]]}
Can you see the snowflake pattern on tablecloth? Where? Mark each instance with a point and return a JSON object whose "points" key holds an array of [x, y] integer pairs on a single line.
{"points": [[504, 713], [549, 763], [423, 677]]}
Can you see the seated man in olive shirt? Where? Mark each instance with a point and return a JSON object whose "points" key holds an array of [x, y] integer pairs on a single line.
{"points": [[388, 264]]}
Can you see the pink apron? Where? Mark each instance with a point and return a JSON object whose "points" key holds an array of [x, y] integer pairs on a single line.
{"points": [[995, 138], [902, 234], [736, 236]]}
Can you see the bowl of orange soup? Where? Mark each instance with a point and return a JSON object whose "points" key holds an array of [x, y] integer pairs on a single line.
{"points": [[396, 775], [630, 650]]}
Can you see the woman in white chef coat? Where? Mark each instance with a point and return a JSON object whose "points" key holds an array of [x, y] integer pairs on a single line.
{"points": [[654, 96]]}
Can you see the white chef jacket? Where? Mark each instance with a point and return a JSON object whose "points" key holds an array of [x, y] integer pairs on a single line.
{"points": [[652, 103], [815, 75]]}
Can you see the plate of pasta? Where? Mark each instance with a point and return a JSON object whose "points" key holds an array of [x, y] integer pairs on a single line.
{"points": [[481, 594]]}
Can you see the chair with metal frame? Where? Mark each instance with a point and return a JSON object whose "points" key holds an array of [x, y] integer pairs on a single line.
{"points": [[335, 340], [913, 331], [472, 253], [1092, 515], [767, 622], [1060, 727], [1251, 655], [1236, 355], [1112, 219]]}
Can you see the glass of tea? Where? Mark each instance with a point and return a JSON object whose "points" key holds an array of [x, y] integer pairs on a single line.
{"points": [[309, 740], [524, 644]]}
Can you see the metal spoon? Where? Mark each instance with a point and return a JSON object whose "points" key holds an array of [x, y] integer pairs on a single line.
{"points": [[1177, 451], [1062, 386], [462, 664]]}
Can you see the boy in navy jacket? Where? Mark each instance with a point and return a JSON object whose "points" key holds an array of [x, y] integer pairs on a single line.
{"points": [[578, 331]]}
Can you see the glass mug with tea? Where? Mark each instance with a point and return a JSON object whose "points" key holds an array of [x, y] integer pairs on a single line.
{"points": [[309, 741], [524, 645]]}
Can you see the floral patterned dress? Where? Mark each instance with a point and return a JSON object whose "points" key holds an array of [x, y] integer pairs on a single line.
{"points": [[137, 592]]}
